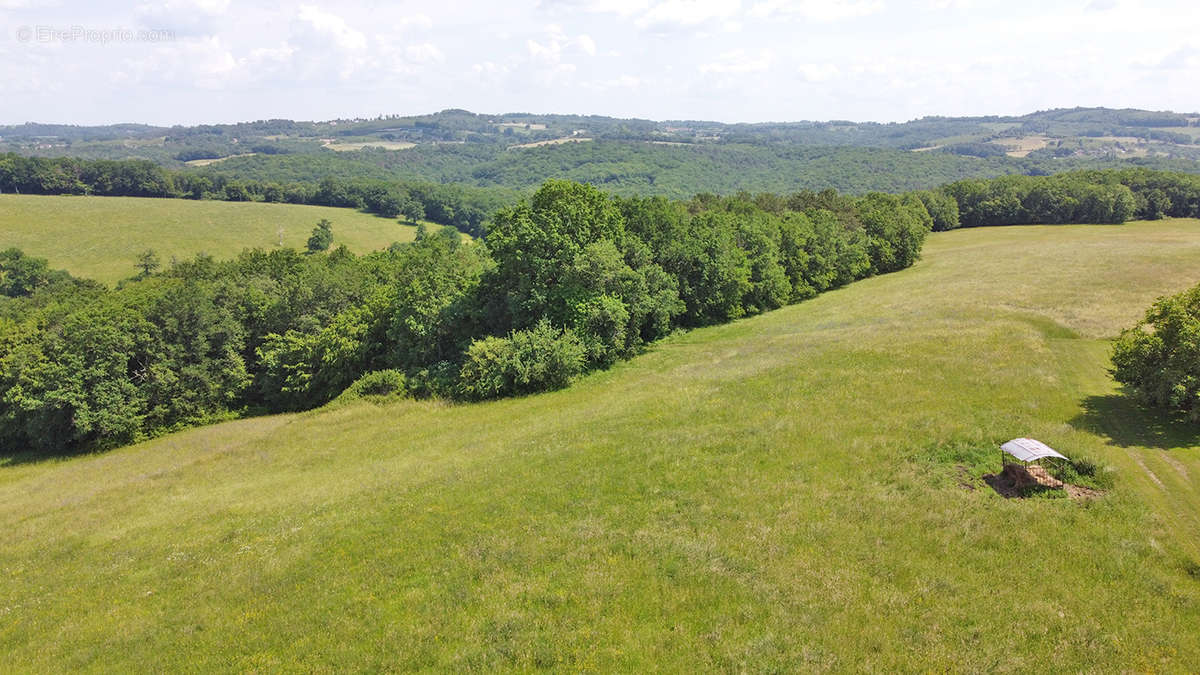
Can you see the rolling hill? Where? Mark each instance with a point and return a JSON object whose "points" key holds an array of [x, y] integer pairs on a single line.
{"points": [[798, 491], [509, 152]]}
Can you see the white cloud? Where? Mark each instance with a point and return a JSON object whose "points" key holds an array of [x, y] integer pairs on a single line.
{"points": [[205, 63], [586, 44], [556, 42], [416, 21], [331, 27], [818, 72], [816, 10], [739, 61], [28, 4], [803, 59], [623, 8], [186, 17], [423, 53], [490, 68], [1186, 57], [686, 13], [955, 4]]}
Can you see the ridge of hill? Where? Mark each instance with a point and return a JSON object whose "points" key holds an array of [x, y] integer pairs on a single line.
{"points": [[672, 158]]}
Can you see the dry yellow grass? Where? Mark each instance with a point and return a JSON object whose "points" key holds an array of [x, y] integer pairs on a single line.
{"points": [[1023, 145], [556, 141], [386, 145], [207, 162]]}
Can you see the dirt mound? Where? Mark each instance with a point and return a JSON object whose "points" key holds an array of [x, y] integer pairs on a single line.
{"points": [[1019, 482]]}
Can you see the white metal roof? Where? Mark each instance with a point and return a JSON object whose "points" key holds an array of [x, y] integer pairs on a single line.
{"points": [[1028, 450]]}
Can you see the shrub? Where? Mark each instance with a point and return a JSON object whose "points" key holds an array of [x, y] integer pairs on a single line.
{"points": [[539, 359], [1159, 358], [376, 384]]}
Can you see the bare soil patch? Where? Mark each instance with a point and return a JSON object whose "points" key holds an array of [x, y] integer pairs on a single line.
{"points": [[1019, 482]]}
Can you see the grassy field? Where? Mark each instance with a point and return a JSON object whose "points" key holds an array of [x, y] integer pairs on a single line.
{"points": [[385, 145], [797, 491], [99, 237]]}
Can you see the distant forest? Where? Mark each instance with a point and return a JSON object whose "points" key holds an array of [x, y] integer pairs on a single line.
{"points": [[513, 153]]}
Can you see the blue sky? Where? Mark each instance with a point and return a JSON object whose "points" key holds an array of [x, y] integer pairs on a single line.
{"points": [[193, 61]]}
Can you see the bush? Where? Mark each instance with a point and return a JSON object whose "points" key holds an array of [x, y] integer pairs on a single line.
{"points": [[1159, 358], [539, 359], [376, 384]]}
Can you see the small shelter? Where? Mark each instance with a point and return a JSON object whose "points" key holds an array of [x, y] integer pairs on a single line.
{"points": [[1028, 450]]}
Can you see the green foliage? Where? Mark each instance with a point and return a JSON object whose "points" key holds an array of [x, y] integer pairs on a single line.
{"points": [[301, 370], [1159, 358], [377, 384], [534, 244], [538, 359], [322, 237], [1084, 471], [1084, 197], [21, 275], [713, 272], [77, 385], [148, 262], [942, 208], [432, 316], [895, 228]]}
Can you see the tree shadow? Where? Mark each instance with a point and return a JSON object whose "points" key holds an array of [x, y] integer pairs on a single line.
{"points": [[19, 457], [1125, 423]]}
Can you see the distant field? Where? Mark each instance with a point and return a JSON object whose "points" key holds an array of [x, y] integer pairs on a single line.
{"points": [[796, 492], [1194, 132], [386, 145], [206, 162], [554, 141], [1023, 145], [98, 237]]}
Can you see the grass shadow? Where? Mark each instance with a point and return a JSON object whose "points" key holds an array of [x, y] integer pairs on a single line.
{"points": [[1126, 423]]}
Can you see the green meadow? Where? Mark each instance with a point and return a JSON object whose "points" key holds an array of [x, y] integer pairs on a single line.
{"points": [[802, 490], [99, 237]]}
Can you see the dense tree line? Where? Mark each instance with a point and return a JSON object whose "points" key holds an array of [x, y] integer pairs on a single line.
{"points": [[569, 281], [460, 185], [1104, 196], [451, 205]]}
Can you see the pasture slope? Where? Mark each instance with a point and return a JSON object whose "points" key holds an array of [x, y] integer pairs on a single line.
{"points": [[99, 237], [796, 491]]}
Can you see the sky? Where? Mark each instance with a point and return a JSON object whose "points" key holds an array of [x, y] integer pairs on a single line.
{"points": [[213, 61]]}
